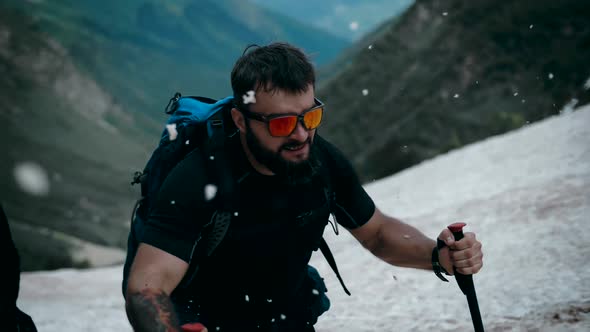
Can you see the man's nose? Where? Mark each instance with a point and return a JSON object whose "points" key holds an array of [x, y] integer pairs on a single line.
{"points": [[300, 133]]}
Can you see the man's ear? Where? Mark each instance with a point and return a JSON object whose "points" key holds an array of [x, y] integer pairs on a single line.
{"points": [[239, 120]]}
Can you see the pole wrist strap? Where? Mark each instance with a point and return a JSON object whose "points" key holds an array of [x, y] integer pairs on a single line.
{"points": [[436, 267]]}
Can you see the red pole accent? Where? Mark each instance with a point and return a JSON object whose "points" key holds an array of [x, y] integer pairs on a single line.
{"points": [[457, 227]]}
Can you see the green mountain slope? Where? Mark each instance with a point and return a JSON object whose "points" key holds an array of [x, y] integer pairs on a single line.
{"points": [[141, 51], [449, 72], [58, 118]]}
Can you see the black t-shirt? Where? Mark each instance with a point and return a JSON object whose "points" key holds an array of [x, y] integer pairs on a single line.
{"points": [[259, 267]]}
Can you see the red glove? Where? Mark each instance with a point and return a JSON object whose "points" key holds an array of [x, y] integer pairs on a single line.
{"points": [[194, 327]]}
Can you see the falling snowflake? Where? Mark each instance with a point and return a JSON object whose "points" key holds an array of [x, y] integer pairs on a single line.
{"points": [[370, 47], [172, 133], [515, 94], [272, 320], [283, 317], [269, 300], [445, 13], [217, 328], [247, 298], [172, 202], [236, 214], [587, 84], [187, 142], [530, 26], [406, 236], [32, 178], [211, 157], [315, 292], [354, 25], [523, 101], [210, 192], [550, 76], [456, 95], [249, 97], [365, 92]]}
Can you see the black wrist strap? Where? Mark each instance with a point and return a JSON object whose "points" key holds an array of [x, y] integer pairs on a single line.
{"points": [[436, 267]]}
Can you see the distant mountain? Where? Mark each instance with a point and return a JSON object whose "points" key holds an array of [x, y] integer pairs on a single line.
{"points": [[350, 19], [142, 51], [450, 72]]}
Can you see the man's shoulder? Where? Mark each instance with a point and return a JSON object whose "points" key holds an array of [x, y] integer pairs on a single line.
{"points": [[334, 160], [324, 145], [329, 151]]}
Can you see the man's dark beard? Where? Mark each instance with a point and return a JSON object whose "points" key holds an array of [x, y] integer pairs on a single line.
{"points": [[290, 172]]}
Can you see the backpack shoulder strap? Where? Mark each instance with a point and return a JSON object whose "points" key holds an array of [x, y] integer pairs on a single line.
{"points": [[211, 236], [217, 167], [332, 262], [331, 197]]}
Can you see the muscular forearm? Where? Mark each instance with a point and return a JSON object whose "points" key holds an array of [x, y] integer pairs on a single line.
{"points": [[151, 310], [403, 245]]}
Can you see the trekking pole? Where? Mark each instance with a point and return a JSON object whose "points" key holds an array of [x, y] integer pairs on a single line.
{"points": [[465, 282]]}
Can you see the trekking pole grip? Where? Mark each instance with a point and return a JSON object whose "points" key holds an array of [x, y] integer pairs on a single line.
{"points": [[457, 230]]}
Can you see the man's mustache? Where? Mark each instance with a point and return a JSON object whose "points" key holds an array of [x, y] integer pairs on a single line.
{"points": [[294, 143]]}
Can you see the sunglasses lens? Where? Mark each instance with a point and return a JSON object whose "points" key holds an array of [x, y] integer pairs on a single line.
{"points": [[282, 126], [313, 118]]}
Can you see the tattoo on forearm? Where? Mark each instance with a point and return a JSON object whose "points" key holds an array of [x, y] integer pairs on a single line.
{"points": [[150, 310]]}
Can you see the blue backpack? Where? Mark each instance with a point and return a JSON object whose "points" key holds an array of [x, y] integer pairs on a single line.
{"points": [[205, 124], [194, 123]]}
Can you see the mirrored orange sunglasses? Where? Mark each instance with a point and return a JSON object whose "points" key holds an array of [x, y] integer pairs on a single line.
{"points": [[282, 125]]}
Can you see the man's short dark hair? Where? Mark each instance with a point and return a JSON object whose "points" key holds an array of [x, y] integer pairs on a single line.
{"points": [[268, 68]]}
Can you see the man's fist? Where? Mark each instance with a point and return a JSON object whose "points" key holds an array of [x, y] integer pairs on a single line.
{"points": [[465, 255]]}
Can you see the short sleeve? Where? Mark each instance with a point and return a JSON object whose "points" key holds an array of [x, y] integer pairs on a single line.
{"points": [[179, 211], [354, 205]]}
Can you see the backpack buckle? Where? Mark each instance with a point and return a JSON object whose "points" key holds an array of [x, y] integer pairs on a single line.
{"points": [[171, 107], [216, 123]]}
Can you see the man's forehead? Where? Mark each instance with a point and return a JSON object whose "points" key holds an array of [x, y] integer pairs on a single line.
{"points": [[281, 101]]}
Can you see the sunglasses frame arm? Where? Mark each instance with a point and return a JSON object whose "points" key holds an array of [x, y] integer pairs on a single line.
{"points": [[267, 118]]}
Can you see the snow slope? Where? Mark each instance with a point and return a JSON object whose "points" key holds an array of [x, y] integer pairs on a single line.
{"points": [[526, 194]]}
